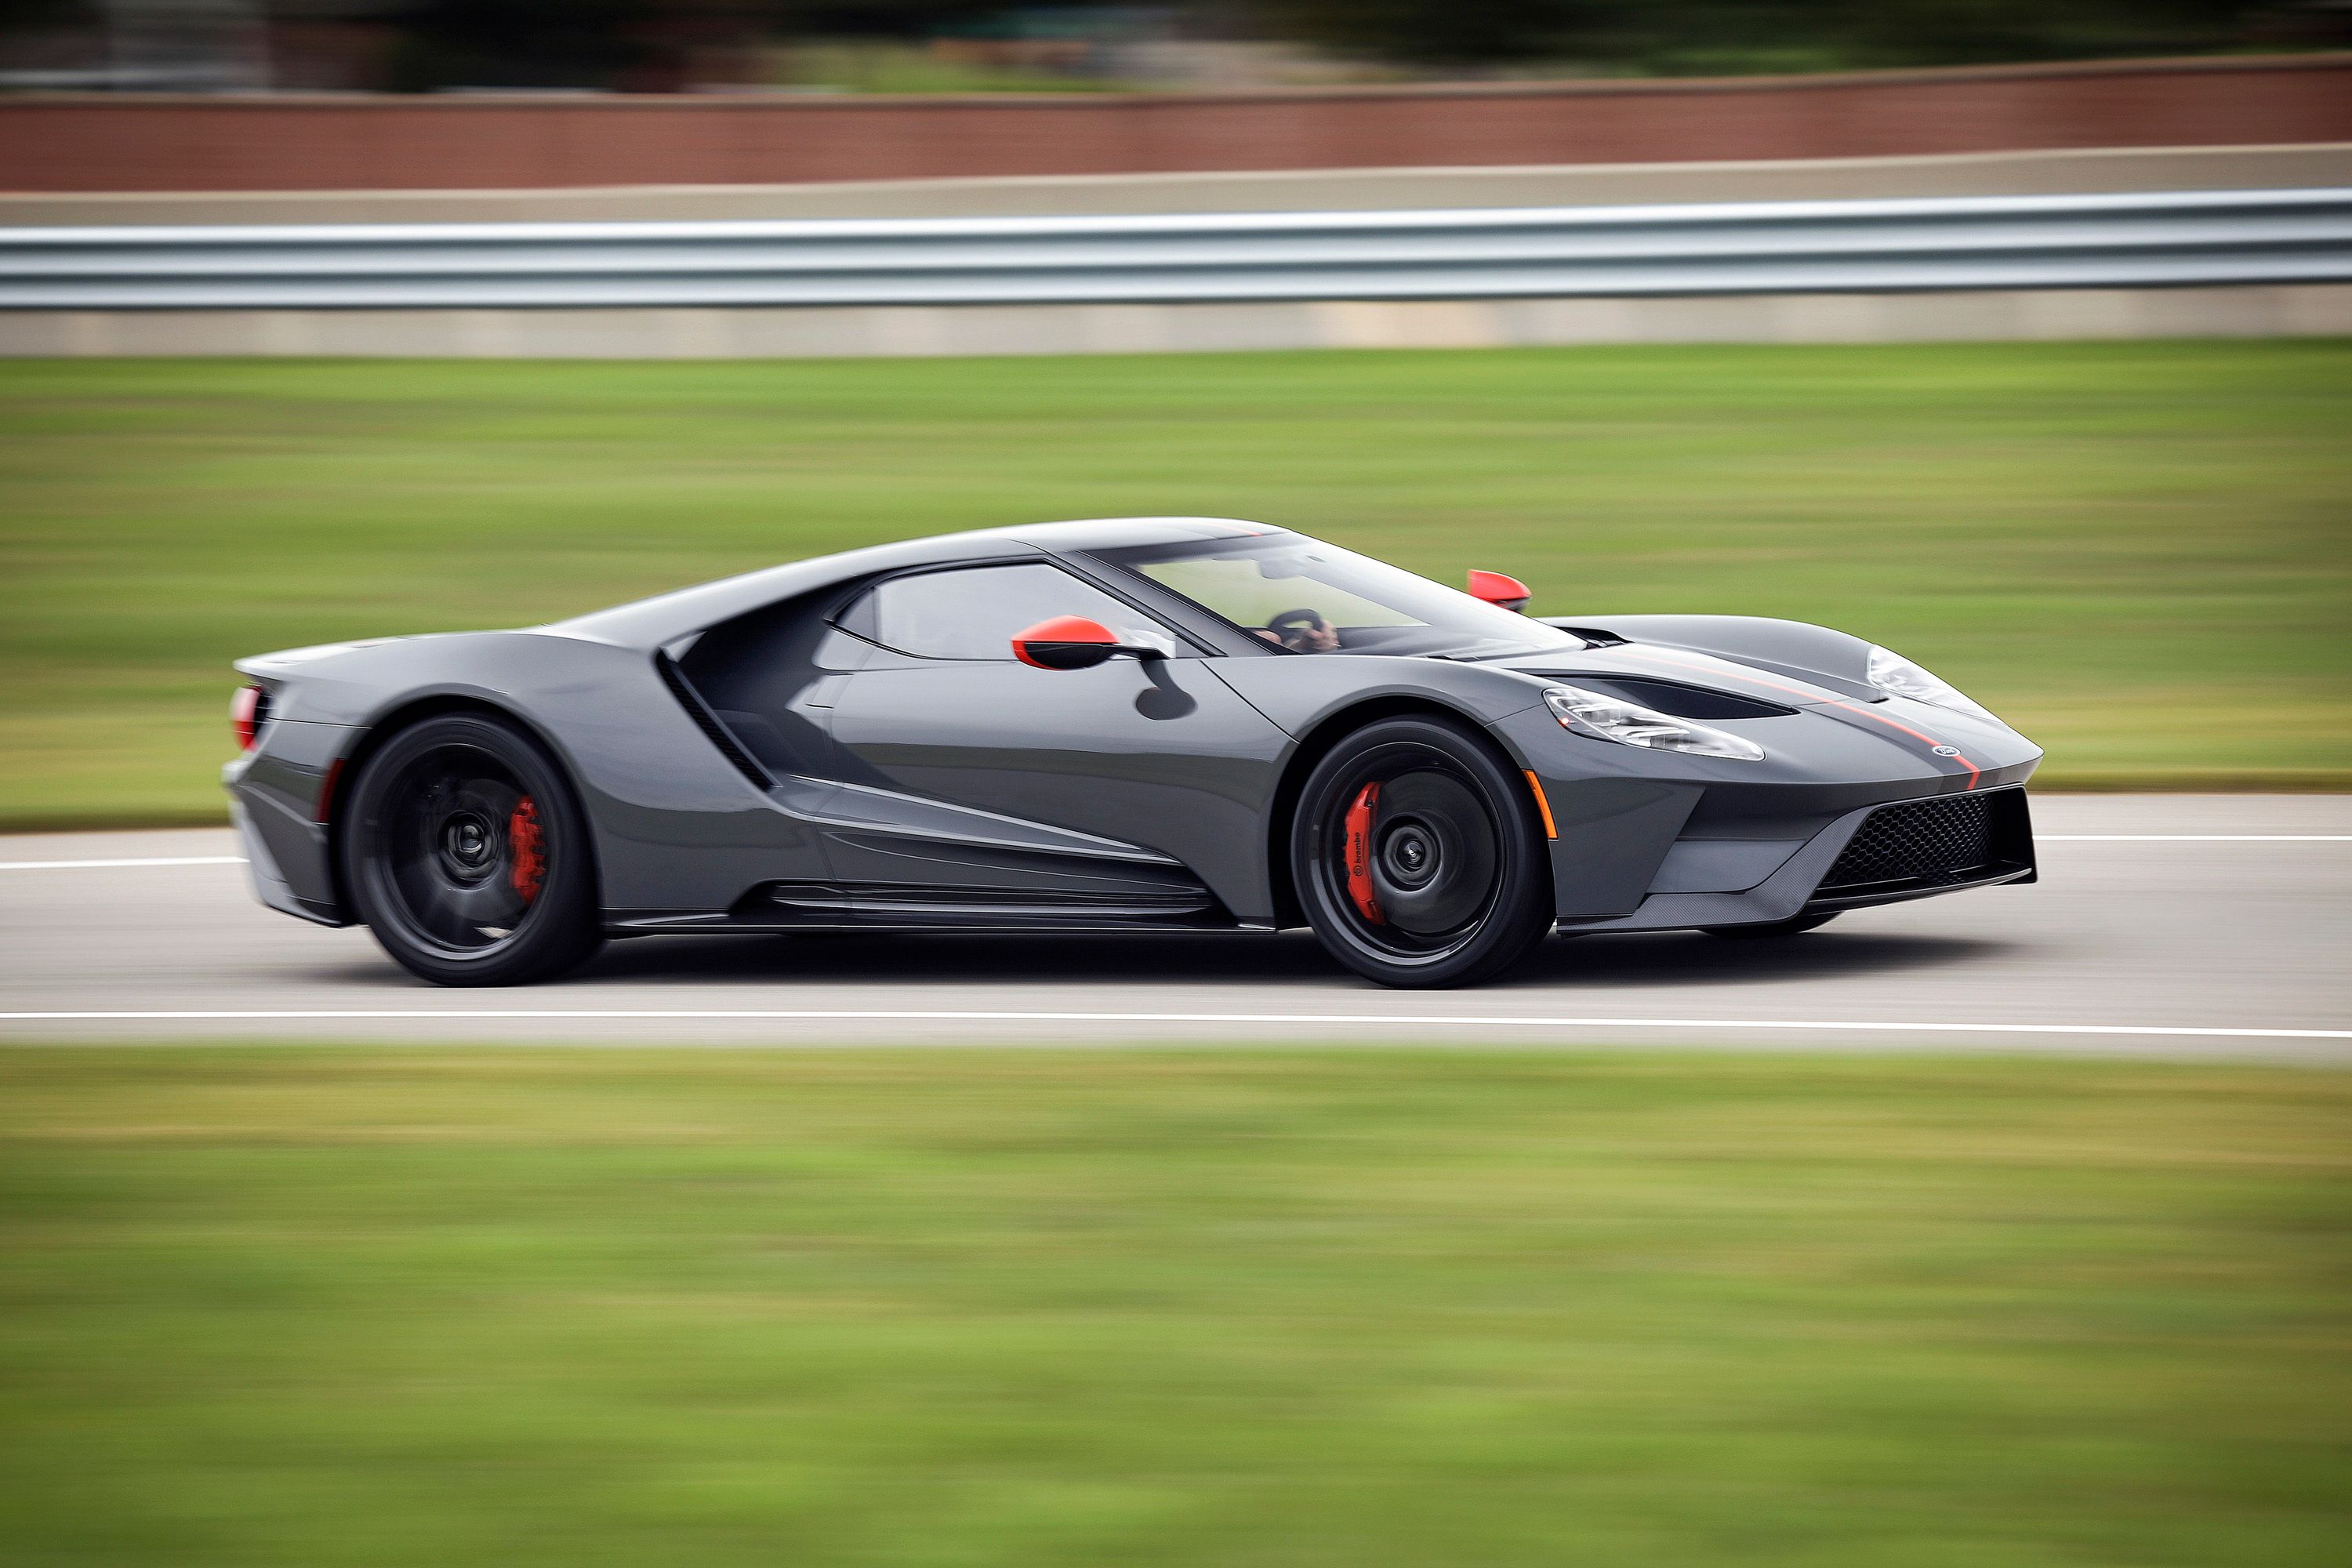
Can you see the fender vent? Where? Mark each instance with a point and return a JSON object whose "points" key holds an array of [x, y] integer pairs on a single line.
{"points": [[1681, 701], [1671, 697], [707, 722]]}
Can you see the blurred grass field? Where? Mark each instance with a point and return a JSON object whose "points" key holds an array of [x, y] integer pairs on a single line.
{"points": [[2141, 553], [369, 1306]]}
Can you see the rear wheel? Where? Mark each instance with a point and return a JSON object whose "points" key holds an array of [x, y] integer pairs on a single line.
{"points": [[1789, 927], [467, 857], [1418, 856]]}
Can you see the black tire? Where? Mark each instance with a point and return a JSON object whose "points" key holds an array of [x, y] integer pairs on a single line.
{"points": [[1452, 855], [436, 851], [1793, 926]]}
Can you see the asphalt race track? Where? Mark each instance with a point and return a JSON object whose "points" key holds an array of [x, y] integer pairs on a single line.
{"points": [[2212, 926]]}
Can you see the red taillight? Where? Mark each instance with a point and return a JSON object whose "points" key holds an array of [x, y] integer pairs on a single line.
{"points": [[245, 712]]}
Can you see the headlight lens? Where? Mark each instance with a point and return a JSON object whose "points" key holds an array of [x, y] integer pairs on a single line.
{"points": [[1613, 719], [1892, 672]]}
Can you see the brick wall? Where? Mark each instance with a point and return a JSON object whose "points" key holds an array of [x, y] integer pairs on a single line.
{"points": [[125, 143]]}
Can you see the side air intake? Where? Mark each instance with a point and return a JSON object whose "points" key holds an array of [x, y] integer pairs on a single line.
{"points": [[707, 722]]}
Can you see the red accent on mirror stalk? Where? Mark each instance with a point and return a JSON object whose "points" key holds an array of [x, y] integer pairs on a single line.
{"points": [[244, 716], [1035, 645], [1503, 593], [1358, 854]]}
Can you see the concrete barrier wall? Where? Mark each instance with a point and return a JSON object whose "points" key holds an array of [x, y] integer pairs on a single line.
{"points": [[351, 143], [2064, 173]]}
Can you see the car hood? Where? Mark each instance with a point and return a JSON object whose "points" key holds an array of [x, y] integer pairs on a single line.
{"points": [[1679, 666], [1649, 675]]}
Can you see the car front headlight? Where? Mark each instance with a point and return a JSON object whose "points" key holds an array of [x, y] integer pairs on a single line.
{"points": [[1613, 719], [1890, 672]]}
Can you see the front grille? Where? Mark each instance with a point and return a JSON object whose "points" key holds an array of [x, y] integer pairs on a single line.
{"points": [[1920, 844]]}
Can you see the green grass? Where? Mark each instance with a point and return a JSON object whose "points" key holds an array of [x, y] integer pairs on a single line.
{"points": [[847, 64], [2140, 553], [971, 1308]]}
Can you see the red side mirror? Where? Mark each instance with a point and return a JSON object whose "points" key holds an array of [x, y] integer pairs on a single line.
{"points": [[1503, 593], [1065, 642]]}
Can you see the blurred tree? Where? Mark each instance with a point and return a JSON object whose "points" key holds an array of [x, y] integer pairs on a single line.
{"points": [[658, 44], [16, 14], [626, 44], [1435, 31], [1687, 34], [527, 43]]}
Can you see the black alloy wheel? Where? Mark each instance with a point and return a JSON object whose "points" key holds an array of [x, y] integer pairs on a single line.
{"points": [[466, 857], [1419, 857]]}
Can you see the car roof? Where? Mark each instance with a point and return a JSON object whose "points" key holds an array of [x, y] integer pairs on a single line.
{"points": [[650, 622], [1116, 533]]}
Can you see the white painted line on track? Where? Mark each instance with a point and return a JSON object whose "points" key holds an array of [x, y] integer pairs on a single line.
{"points": [[2192, 839], [1320, 1020], [140, 860], [2038, 838]]}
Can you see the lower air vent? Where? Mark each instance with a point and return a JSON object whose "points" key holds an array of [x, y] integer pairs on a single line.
{"points": [[1922, 844]]}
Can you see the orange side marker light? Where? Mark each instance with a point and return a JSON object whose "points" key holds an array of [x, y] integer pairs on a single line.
{"points": [[1551, 830]]}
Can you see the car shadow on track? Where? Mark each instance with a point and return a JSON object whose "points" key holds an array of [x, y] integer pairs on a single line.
{"points": [[1677, 959]]}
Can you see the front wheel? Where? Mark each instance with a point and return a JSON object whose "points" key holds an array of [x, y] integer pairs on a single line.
{"points": [[466, 857], [1419, 857]]}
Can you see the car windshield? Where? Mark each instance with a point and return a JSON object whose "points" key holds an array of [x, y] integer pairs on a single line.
{"points": [[1305, 596]]}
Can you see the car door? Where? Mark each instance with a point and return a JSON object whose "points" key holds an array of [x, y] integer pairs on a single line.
{"points": [[1132, 791]]}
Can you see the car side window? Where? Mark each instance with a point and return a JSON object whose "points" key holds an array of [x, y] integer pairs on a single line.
{"points": [[972, 612]]}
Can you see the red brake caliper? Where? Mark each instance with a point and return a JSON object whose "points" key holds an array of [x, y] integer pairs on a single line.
{"points": [[1360, 855], [530, 873]]}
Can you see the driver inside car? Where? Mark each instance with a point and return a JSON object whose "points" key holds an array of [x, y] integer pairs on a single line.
{"points": [[1302, 631]]}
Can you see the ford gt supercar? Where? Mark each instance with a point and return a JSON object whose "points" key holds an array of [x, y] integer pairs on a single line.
{"points": [[1144, 724]]}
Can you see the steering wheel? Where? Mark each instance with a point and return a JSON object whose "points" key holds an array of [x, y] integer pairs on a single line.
{"points": [[1289, 622]]}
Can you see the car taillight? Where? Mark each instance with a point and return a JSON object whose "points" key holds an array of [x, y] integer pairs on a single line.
{"points": [[248, 711]]}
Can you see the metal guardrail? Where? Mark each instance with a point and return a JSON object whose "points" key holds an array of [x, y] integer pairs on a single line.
{"points": [[1964, 243]]}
